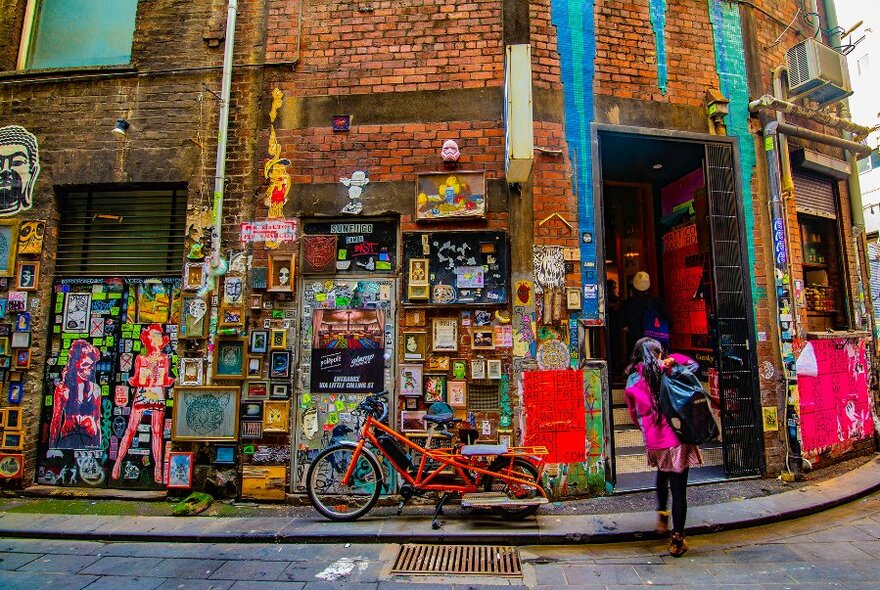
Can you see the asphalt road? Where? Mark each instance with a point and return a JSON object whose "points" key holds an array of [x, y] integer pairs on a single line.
{"points": [[835, 549]]}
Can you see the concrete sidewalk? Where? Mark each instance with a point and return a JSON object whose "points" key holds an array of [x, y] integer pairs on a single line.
{"points": [[384, 528]]}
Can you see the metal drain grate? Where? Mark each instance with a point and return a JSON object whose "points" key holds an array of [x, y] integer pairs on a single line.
{"points": [[495, 560]]}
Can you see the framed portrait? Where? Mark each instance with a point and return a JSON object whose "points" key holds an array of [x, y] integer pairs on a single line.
{"points": [[27, 274], [482, 338], [573, 298], [8, 242], [251, 430], [459, 368], [280, 273], [451, 195], [23, 358], [12, 419], [259, 341], [4, 345], [435, 388], [279, 364], [413, 318], [279, 391], [224, 455], [444, 334], [76, 311], [278, 339], [415, 345], [437, 363], [231, 317], [193, 276], [23, 322], [233, 292], [207, 413], [13, 440], [478, 369], [30, 237], [412, 421], [493, 369], [418, 272], [229, 358], [11, 466], [256, 390], [411, 380], [256, 300], [180, 470], [412, 403], [20, 340], [193, 317], [276, 416], [255, 366], [192, 372], [252, 410], [16, 392], [5, 361], [418, 292], [456, 393]]}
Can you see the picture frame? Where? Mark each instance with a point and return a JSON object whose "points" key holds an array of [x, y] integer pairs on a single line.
{"points": [[192, 372], [451, 195], [418, 292], [15, 393], [4, 345], [414, 318], [20, 340], [444, 334], [478, 369], [12, 419], [279, 364], [413, 421], [459, 368], [250, 430], [27, 275], [229, 358], [278, 339], [76, 311], [276, 417], [434, 388], [415, 345], [30, 237], [482, 338], [419, 272], [5, 361], [259, 341], [3, 305], [180, 470], [437, 363], [224, 455], [13, 440], [493, 369], [252, 411], [23, 322], [279, 391], [256, 300], [193, 316], [193, 276], [231, 317], [8, 244], [11, 465], [456, 393], [412, 403], [255, 390], [573, 298], [233, 291], [411, 380], [255, 366], [206, 413], [23, 358], [280, 273]]}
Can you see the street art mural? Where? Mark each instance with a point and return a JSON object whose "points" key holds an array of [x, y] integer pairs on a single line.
{"points": [[19, 169], [76, 404]]}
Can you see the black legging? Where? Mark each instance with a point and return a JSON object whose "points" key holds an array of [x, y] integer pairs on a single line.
{"points": [[678, 482]]}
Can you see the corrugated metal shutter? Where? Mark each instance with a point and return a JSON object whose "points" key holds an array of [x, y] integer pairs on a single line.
{"points": [[874, 263], [122, 233], [814, 194]]}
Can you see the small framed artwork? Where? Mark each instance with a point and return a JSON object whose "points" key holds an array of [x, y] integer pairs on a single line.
{"points": [[5, 361], [251, 430], [23, 322], [192, 372], [224, 455], [256, 300], [23, 359], [16, 392], [418, 292], [76, 311], [255, 366], [180, 470], [193, 276], [459, 368], [437, 363], [478, 369], [456, 393], [8, 243], [256, 389], [12, 440], [412, 403], [205, 413], [252, 410], [415, 345], [412, 421], [444, 334], [231, 317], [435, 388], [481, 338], [413, 318], [278, 339], [505, 438], [4, 346], [259, 277], [441, 196], [233, 292], [280, 273], [21, 339], [12, 419], [30, 237], [229, 358], [27, 273], [11, 466], [2, 307], [279, 391], [573, 298], [259, 341], [493, 369], [418, 272], [279, 364], [276, 416], [411, 380], [194, 311]]}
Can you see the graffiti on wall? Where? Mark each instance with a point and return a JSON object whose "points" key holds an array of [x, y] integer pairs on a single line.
{"points": [[19, 169]]}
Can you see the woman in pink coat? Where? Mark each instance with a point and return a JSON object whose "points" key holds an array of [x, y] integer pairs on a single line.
{"points": [[670, 456]]}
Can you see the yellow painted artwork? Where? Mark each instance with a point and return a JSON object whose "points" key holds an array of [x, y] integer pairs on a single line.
{"points": [[771, 419]]}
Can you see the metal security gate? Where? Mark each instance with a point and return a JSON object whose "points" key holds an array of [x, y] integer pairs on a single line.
{"points": [[736, 358]]}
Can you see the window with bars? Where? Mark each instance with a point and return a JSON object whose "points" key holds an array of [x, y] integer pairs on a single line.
{"points": [[125, 233]]}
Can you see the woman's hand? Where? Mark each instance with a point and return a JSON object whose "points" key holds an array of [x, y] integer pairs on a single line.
{"points": [[667, 363]]}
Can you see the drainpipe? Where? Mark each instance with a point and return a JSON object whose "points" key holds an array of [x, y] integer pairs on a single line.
{"points": [[216, 262]]}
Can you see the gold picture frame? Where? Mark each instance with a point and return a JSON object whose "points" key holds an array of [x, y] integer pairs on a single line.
{"points": [[419, 271], [8, 245], [221, 402], [276, 416], [27, 275], [230, 358], [280, 279]]}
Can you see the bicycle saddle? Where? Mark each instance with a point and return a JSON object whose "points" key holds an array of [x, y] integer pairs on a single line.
{"points": [[443, 418]]}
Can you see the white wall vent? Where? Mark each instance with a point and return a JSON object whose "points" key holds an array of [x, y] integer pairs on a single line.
{"points": [[817, 72]]}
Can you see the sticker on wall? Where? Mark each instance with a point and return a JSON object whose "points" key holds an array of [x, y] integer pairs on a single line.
{"points": [[319, 254], [30, 237], [275, 169], [355, 185], [20, 158]]}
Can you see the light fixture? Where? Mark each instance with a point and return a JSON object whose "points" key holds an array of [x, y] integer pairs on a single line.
{"points": [[121, 126], [657, 166]]}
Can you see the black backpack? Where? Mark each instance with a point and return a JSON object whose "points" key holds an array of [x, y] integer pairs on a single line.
{"points": [[685, 405]]}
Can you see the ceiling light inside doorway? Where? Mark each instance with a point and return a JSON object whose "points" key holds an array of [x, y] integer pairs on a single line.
{"points": [[657, 166]]}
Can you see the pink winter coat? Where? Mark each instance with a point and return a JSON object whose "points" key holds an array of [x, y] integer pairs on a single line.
{"points": [[657, 432]]}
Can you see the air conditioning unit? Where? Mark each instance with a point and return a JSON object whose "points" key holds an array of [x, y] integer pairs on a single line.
{"points": [[817, 72]]}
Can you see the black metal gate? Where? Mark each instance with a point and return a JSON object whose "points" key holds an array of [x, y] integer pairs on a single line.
{"points": [[736, 360]]}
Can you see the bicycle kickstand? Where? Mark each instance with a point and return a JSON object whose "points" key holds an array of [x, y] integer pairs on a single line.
{"points": [[435, 523]]}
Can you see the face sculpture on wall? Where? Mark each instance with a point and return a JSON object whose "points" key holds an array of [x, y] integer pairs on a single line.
{"points": [[19, 168], [450, 152]]}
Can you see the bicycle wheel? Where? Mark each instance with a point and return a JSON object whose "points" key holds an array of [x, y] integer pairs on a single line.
{"points": [[518, 468], [338, 501]]}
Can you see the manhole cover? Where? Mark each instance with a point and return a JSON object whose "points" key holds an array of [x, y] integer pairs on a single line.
{"points": [[495, 560]]}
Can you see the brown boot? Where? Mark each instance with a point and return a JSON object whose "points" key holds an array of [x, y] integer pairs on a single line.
{"points": [[677, 545], [662, 522]]}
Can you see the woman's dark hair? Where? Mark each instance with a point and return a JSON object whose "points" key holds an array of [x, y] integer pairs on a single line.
{"points": [[648, 352]]}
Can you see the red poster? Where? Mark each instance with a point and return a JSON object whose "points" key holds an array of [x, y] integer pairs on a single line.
{"points": [[555, 414]]}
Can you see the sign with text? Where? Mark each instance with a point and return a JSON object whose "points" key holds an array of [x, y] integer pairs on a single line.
{"points": [[348, 351], [270, 230], [556, 414]]}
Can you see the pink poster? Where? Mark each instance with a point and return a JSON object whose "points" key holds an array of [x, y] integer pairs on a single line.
{"points": [[556, 414], [834, 403]]}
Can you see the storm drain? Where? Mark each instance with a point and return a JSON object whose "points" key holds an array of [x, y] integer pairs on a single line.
{"points": [[495, 560]]}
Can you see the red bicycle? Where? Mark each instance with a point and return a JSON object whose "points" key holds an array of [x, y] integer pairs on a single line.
{"points": [[345, 480]]}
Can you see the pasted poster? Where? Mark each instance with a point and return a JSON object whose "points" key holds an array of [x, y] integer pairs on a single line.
{"points": [[20, 163], [835, 406], [555, 414], [348, 351]]}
